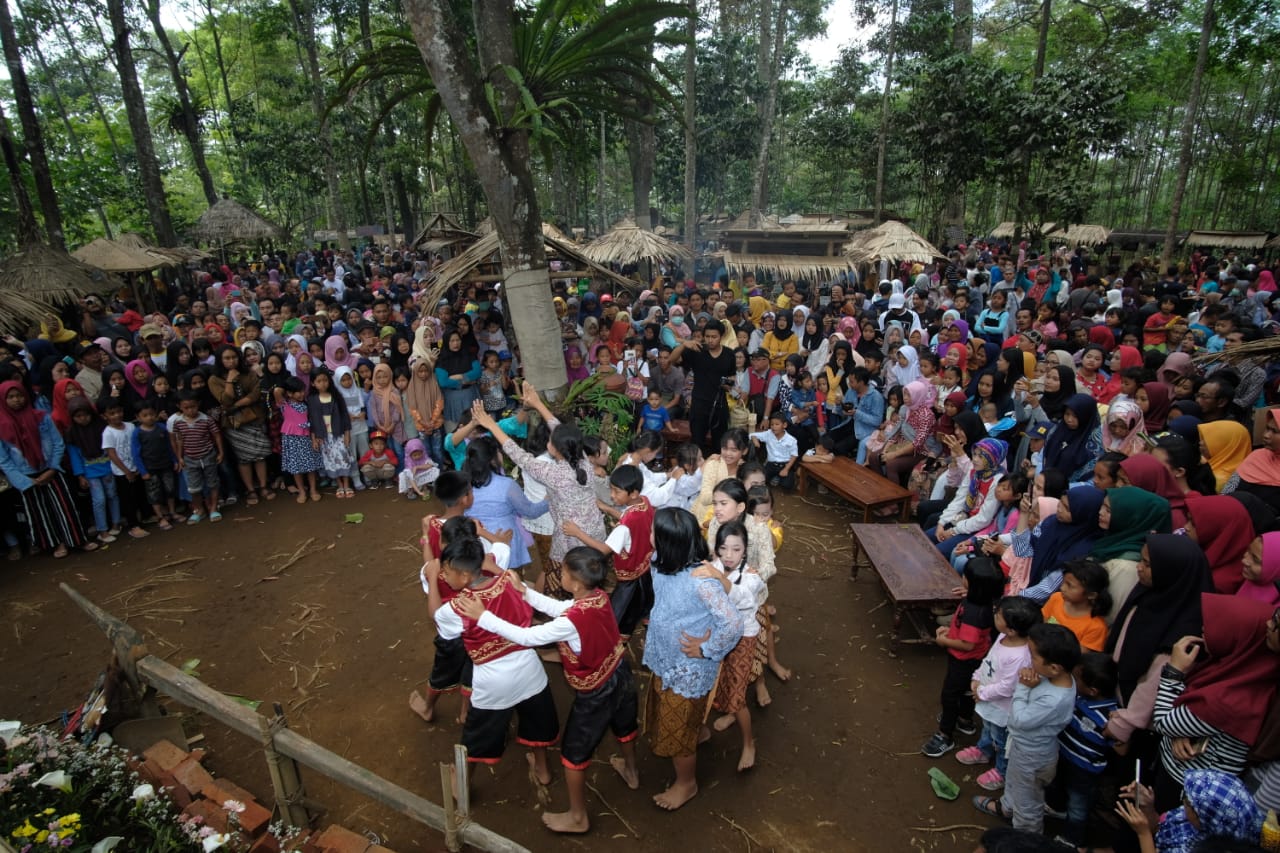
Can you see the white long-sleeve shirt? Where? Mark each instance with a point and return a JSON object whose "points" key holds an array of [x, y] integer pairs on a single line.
{"points": [[997, 678], [957, 515]]}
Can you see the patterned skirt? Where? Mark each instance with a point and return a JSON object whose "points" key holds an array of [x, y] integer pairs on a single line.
{"points": [[672, 721], [335, 458], [297, 456], [51, 515], [250, 442], [739, 669]]}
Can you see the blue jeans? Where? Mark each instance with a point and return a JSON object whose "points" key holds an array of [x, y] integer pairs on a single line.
{"points": [[102, 494], [1081, 787], [946, 546], [434, 443], [992, 743]]}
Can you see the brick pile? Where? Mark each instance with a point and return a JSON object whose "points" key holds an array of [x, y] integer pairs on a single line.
{"points": [[197, 793]]}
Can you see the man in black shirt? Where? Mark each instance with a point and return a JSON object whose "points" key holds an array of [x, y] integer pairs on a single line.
{"points": [[710, 363]]}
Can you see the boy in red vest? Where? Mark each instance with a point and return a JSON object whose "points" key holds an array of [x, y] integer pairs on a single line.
{"points": [[506, 678], [631, 544], [595, 666]]}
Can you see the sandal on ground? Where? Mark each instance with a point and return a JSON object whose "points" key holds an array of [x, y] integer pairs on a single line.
{"points": [[177, 518], [990, 806], [267, 493], [195, 518], [105, 538], [138, 533], [251, 499], [164, 524], [61, 551], [215, 516], [315, 496]]}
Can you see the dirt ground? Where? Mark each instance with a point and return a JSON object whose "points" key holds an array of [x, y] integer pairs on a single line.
{"points": [[343, 636]]}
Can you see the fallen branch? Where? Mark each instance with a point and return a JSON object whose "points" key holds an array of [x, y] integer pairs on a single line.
{"points": [[949, 828], [751, 839], [297, 555], [612, 810], [173, 563]]}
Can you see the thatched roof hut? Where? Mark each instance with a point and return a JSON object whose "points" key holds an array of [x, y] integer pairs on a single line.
{"points": [[1082, 235], [52, 277], [485, 251], [891, 241], [799, 267], [628, 243], [442, 232], [230, 221], [19, 312], [116, 257], [176, 255], [1228, 239], [1006, 230]]}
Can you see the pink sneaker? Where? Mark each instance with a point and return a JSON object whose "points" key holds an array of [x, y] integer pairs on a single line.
{"points": [[992, 780], [972, 755]]}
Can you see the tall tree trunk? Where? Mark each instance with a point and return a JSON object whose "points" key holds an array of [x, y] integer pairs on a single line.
{"points": [[690, 131], [116, 150], [304, 16], [760, 174], [1188, 135], [501, 159], [32, 135], [882, 135], [642, 148], [1024, 171], [28, 231], [190, 121], [603, 220], [136, 109]]}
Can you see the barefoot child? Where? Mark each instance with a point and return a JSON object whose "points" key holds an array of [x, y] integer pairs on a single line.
{"points": [[596, 667], [993, 685], [745, 664], [631, 544], [506, 679], [299, 448]]}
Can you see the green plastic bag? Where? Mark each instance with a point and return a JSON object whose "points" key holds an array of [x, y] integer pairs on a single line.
{"points": [[942, 784], [354, 517]]}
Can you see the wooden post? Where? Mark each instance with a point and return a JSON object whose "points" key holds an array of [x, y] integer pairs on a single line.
{"points": [[450, 817], [462, 769], [285, 779], [129, 648]]}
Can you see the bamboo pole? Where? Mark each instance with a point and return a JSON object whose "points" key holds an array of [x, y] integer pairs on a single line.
{"points": [[450, 817], [194, 693]]}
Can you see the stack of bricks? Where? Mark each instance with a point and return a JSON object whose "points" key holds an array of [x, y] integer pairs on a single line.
{"points": [[198, 794]]}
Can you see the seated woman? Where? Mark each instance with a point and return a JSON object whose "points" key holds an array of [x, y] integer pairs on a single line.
{"points": [[1068, 535], [1223, 528], [1259, 473], [1147, 472], [1127, 516], [973, 508], [1075, 444]]}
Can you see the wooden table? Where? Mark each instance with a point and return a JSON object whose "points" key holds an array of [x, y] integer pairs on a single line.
{"points": [[857, 484], [916, 577]]}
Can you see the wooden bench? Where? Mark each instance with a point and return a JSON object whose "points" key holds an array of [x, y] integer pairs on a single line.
{"points": [[857, 484], [915, 575], [674, 434]]}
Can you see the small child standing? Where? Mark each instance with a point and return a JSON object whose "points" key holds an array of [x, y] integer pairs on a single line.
{"points": [[117, 441], [596, 667], [782, 451], [344, 380], [967, 640], [154, 454], [299, 448], [1082, 603], [994, 683], [1083, 747], [197, 442], [493, 386], [419, 471], [1042, 706], [653, 415], [378, 464], [331, 428], [90, 464]]}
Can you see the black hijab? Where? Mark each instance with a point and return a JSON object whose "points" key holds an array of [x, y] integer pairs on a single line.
{"points": [[454, 363], [1068, 449], [1055, 403], [1164, 612], [779, 332]]}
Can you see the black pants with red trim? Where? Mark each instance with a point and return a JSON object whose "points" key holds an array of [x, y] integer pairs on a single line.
{"points": [[485, 732], [613, 706]]}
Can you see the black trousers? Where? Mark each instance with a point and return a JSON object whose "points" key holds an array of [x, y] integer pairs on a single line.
{"points": [[957, 702], [708, 420]]}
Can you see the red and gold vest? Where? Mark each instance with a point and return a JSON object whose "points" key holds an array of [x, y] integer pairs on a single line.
{"points": [[639, 520], [507, 603], [602, 647]]}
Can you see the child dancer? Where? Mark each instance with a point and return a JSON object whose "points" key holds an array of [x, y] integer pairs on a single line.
{"points": [[745, 664], [419, 471], [506, 679], [299, 449], [631, 544], [967, 640], [993, 685], [596, 667], [331, 427]]}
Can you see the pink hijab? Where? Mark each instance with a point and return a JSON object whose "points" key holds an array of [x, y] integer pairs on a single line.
{"points": [[1266, 282]]}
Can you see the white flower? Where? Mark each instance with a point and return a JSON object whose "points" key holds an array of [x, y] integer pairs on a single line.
{"points": [[56, 779], [8, 729], [233, 806], [143, 792], [107, 844], [213, 842]]}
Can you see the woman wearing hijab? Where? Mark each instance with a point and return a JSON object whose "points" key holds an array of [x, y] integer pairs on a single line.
{"points": [[178, 360], [675, 331], [1125, 431], [905, 368], [1059, 387], [138, 374], [1154, 401], [336, 354], [1147, 472], [62, 339], [1262, 570], [386, 407], [814, 345], [457, 372], [1074, 445], [1127, 517], [617, 340], [64, 390], [1121, 359], [425, 405], [243, 419], [975, 505], [781, 342], [1223, 699], [31, 453], [1177, 365], [1224, 530], [1068, 535], [1259, 473], [1225, 445], [1163, 608]]}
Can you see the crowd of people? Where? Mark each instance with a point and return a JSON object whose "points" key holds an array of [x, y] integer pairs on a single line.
{"points": [[1093, 483]]}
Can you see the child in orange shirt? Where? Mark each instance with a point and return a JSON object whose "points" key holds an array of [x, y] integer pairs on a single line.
{"points": [[1082, 603]]}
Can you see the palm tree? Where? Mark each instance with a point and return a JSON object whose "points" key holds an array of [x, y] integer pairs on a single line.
{"points": [[522, 81]]}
